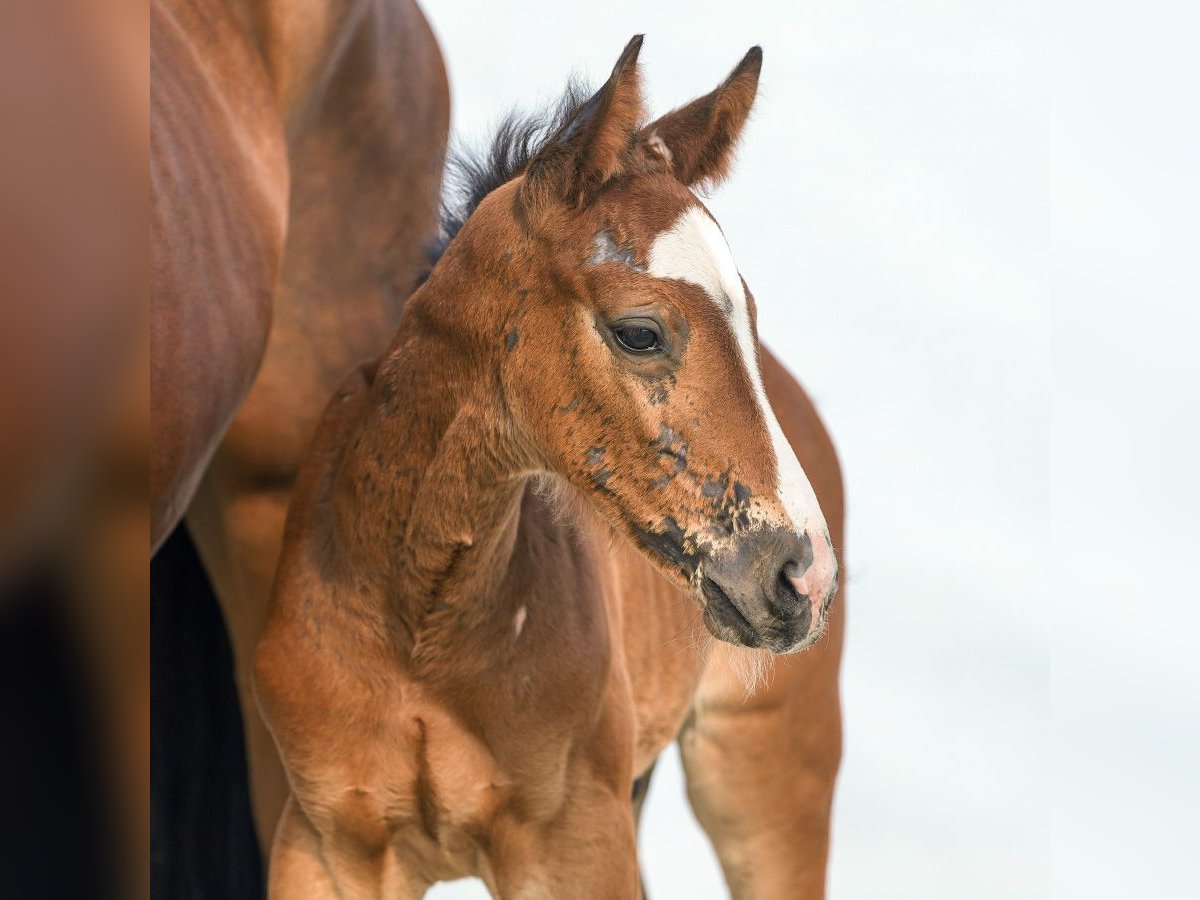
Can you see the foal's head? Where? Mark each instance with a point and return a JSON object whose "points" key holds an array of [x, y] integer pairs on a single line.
{"points": [[627, 353]]}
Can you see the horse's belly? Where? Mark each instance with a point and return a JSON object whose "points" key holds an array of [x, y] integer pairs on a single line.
{"points": [[219, 204]]}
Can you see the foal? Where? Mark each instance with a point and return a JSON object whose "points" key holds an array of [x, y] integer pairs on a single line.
{"points": [[464, 670]]}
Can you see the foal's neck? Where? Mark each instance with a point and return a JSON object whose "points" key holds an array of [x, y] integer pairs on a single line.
{"points": [[426, 499]]}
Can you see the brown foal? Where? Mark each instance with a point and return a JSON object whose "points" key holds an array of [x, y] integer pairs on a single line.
{"points": [[510, 533]]}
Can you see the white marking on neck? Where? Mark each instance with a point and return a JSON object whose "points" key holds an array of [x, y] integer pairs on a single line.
{"points": [[519, 621], [695, 250]]}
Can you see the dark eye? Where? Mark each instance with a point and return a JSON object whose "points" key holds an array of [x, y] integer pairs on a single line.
{"points": [[637, 338]]}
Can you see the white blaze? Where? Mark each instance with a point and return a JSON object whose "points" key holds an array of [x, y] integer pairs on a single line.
{"points": [[695, 250]]}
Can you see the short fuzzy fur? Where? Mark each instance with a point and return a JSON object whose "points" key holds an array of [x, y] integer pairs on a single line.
{"points": [[485, 615], [702, 136]]}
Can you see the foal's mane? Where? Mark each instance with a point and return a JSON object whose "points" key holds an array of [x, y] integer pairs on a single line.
{"points": [[474, 172]]}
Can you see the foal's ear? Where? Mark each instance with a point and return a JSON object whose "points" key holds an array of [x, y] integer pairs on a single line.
{"points": [[696, 142], [589, 148]]}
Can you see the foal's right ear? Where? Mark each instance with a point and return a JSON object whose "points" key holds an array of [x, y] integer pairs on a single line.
{"points": [[696, 142], [591, 146]]}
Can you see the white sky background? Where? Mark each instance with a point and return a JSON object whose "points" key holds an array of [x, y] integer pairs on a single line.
{"points": [[892, 211]]}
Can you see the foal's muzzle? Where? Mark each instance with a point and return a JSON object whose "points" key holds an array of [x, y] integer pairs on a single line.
{"points": [[771, 589]]}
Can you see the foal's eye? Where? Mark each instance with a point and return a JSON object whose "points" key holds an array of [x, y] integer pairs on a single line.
{"points": [[637, 338]]}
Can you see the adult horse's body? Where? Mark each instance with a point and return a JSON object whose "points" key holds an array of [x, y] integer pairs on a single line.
{"points": [[485, 626], [295, 169]]}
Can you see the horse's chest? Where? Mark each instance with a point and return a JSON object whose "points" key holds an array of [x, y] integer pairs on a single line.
{"points": [[417, 781]]}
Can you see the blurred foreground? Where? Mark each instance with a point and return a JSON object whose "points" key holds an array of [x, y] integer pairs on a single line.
{"points": [[74, 582]]}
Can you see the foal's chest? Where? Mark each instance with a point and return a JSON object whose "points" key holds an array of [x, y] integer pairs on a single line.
{"points": [[418, 782]]}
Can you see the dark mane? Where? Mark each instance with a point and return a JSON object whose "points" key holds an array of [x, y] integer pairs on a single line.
{"points": [[473, 173]]}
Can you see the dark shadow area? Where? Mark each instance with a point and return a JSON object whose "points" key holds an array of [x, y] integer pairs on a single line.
{"points": [[59, 823], [203, 845]]}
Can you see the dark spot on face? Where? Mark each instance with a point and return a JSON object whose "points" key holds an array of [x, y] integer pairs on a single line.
{"points": [[668, 435], [600, 479], [595, 455], [713, 488], [660, 484], [671, 544], [658, 393], [670, 443], [511, 339], [730, 512], [570, 407]]}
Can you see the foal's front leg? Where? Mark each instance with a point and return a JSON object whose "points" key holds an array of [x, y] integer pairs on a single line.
{"points": [[587, 852], [307, 865], [761, 770]]}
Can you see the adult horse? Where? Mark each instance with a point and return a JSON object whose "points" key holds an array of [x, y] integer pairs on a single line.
{"points": [[296, 157], [511, 531]]}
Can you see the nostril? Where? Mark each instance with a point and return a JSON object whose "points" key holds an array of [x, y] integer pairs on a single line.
{"points": [[787, 597], [792, 569]]}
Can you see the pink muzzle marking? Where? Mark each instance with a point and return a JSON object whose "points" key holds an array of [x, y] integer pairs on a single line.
{"points": [[817, 582]]}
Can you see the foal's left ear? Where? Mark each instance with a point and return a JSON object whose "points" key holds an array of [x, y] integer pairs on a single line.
{"points": [[696, 142], [589, 148]]}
